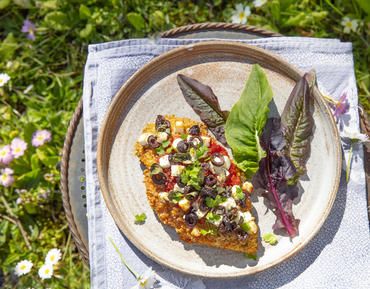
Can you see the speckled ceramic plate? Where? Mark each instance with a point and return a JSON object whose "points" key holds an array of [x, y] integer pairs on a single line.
{"points": [[154, 90]]}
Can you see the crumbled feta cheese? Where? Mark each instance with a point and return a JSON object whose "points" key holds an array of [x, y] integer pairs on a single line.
{"points": [[179, 127], [164, 162], [200, 214], [227, 162], [176, 142], [184, 204], [206, 140], [234, 191], [247, 216], [248, 187], [195, 232], [176, 188], [252, 227], [176, 170], [143, 139], [229, 204], [162, 136], [163, 196]]}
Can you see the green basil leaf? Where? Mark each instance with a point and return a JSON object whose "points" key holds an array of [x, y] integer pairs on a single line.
{"points": [[205, 103], [246, 121], [298, 123]]}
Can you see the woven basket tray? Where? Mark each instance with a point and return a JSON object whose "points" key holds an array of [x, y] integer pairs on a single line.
{"points": [[73, 159]]}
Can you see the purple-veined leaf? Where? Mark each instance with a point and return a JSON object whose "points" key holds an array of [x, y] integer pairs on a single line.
{"points": [[297, 121], [205, 103]]}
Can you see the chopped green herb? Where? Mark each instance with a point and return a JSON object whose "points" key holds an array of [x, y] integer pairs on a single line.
{"points": [[201, 152], [212, 203], [175, 197], [211, 217], [250, 256], [270, 238], [192, 176], [245, 227], [208, 232], [184, 136], [160, 151], [140, 218], [165, 144], [239, 195], [169, 149]]}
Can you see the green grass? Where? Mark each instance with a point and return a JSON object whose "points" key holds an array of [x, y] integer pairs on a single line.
{"points": [[46, 84]]}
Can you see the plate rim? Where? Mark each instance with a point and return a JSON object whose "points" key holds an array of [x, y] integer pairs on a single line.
{"points": [[294, 72]]}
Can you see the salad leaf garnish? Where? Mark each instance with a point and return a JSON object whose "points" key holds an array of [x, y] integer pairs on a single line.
{"points": [[275, 174], [297, 121], [270, 238], [140, 218], [205, 103], [246, 121]]}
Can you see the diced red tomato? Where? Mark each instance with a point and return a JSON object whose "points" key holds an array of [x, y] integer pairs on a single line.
{"points": [[233, 178], [216, 148]]}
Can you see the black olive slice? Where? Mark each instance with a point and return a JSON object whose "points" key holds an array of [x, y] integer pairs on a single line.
{"points": [[155, 169], [210, 180], [203, 205], [205, 167], [179, 183], [182, 146], [191, 196], [220, 210], [194, 130], [195, 141], [159, 179], [191, 219], [217, 160], [242, 235], [153, 143], [162, 124], [180, 157], [207, 192], [188, 189]]}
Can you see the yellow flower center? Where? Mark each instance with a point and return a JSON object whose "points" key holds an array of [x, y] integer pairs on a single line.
{"points": [[1, 81], [23, 267], [3, 153], [52, 258], [47, 271], [349, 24], [241, 15], [4, 177], [40, 138], [17, 150]]}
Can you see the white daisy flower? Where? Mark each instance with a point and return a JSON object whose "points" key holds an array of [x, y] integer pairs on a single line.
{"points": [[46, 271], [53, 256], [4, 78], [354, 136], [147, 280], [350, 25], [241, 14], [259, 3], [23, 267]]}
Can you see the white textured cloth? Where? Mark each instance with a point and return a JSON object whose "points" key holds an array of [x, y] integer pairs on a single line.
{"points": [[338, 257]]}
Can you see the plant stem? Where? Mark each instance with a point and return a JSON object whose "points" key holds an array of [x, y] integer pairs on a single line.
{"points": [[15, 220], [136, 275], [349, 162], [67, 245]]}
